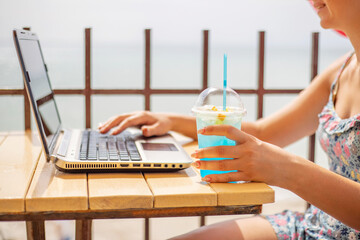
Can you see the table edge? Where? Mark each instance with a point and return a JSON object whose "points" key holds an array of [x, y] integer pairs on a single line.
{"points": [[132, 213]]}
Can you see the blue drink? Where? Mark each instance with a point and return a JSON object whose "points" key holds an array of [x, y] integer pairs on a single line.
{"points": [[211, 141], [209, 110]]}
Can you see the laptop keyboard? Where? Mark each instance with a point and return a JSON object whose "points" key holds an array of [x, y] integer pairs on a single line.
{"points": [[99, 147]]}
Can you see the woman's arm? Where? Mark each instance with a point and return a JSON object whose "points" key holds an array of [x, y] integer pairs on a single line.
{"points": [[184, 124], [255, 160], [334, 194], [299, 118]]}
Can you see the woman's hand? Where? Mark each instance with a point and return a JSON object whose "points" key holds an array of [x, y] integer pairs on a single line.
{"points": [[151, 123], [253, 159]]}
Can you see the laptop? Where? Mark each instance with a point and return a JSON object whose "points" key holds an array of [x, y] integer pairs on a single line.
{"points": [[74, 150]]}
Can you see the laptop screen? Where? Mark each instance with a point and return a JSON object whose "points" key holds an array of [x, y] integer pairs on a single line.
{"points": [[40, 88]]}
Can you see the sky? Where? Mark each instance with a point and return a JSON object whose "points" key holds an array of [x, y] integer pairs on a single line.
{"points": [[232, 22], [233, 25]]}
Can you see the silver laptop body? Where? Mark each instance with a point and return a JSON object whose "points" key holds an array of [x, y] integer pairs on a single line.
{"points": [[74, 150]]}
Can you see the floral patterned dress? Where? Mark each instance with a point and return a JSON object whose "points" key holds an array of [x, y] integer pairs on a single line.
{"points": [[340, 139]]}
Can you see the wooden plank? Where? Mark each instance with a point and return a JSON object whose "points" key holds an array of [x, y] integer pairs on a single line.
{"points": [[118, 191], [19, 154], [19, 150], [250, 193], [180, 189], [131, 213], [190, 147], [13, 187], [53, 190]]}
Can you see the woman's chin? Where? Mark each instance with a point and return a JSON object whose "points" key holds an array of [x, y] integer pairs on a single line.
{"points": [[325, 24]]}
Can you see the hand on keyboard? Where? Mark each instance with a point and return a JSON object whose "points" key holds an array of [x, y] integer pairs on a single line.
{"points": [[151, 123]]}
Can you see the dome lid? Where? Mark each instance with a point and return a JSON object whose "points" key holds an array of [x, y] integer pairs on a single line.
{"points": [[210, 101]]}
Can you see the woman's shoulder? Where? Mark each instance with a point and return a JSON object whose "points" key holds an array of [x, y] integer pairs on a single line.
{"points": [[329, 75]]}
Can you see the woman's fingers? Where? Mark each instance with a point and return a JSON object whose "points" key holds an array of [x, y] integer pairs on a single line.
{"points": [[112, 122], [104, 126], [220, 165], [226, 177], [225, 130], [239, 164], [152, 124], [152, 130], [134, 120], [218, 151]]}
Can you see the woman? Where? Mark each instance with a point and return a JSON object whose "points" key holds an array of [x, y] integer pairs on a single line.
{"points": [[330, 105]]}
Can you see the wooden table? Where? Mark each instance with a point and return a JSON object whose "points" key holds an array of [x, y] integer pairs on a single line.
{"points": [[32, 190]]}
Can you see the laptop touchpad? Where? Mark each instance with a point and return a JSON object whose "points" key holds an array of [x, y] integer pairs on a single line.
{"points": [[159, 147]]}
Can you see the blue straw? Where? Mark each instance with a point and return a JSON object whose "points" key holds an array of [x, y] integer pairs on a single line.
{"points": [[225, 82]]}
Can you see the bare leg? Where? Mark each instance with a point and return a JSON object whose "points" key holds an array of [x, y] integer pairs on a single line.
{"points": [[254, 228]]}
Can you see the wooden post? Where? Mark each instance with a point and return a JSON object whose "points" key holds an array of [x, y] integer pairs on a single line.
{"points": [[205, 80], [202, 221], [87, 91], [147, 228], [83, 229], [205, 58], [261, 65], [314, 72], [147, 69], [147, 94], [35, 230]]}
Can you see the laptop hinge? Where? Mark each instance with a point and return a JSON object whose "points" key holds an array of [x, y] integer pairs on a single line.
{"points": [[59, 146], [64, 144], [54, 142]]}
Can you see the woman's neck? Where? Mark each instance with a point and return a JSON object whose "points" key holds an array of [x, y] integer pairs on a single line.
{"points": [[354, 37]]}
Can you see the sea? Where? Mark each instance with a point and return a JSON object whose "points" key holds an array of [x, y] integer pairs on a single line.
{"points": [[172, 67]]}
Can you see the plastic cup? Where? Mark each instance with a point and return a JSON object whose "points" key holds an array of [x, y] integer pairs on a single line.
{"points": [[207, 114]]}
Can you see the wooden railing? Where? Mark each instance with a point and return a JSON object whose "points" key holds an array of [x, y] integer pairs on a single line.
{"points": [[147, 91]]}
